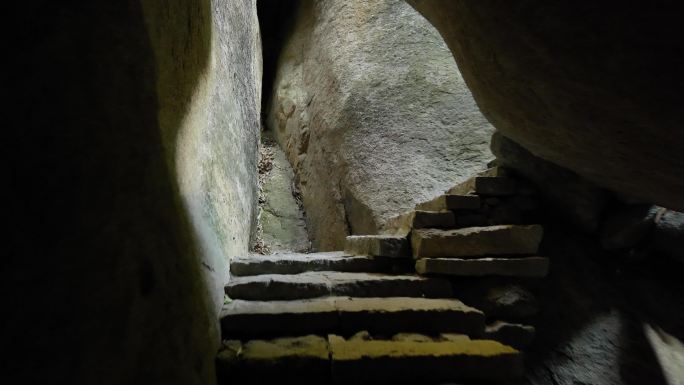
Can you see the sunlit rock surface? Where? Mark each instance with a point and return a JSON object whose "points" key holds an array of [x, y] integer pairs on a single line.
{"points": [[373, 114]]}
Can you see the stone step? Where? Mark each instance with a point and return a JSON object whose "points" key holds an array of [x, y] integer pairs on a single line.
{"points": [[451, 202], [527, 267], [485, 185], [476, 241], [420, 361], [317, 360], [389, 246], [421, 219], [346, 314], [300, 360], [275, 287], [296, 263], [465, 219]]}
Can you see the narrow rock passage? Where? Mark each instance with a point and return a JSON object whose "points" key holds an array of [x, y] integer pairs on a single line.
{"points": [[282, 222], [434, 299]]}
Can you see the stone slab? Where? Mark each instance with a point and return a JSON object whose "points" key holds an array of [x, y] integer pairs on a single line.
{"points": [[378, 245], [421, 360], [296, 263], [269, 287], [242, 318], [476, 241], [527, 267]]}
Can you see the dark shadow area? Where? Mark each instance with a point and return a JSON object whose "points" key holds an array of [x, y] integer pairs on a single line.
{"points": [[276, 19], [590, 330], [98, 239]]}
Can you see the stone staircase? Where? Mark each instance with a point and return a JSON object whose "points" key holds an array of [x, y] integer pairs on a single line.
{"points": [[383, 310]]}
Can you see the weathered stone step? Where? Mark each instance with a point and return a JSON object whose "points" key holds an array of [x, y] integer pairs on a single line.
{"points": [[300, 360], [485, 185], [390, 246], [317, 360], [421, 219], [296, 263], [346, 314], [476, 241], [527, 267], [358, 361], [270, 287], [451, 202]]}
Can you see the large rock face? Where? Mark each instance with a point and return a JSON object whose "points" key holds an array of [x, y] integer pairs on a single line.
{"points": [[134, 180], [372, 112], [590, 86]]}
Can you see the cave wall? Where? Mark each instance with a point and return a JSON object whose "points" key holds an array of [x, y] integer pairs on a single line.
{"points": [[372, 112], [592, 87], [133, 181]]}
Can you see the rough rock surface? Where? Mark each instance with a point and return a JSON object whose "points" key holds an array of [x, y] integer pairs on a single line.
{"points": [[588, 86], [133, 180], [371, 110], [281, 219]]}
